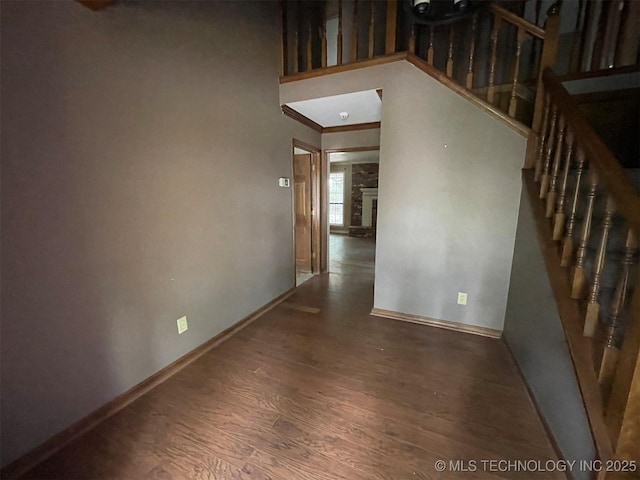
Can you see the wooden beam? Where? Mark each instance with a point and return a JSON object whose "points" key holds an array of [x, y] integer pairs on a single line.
{"points": [[291, 113], [351, 128]]}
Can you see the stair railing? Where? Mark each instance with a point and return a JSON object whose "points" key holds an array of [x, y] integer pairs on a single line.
{"points": [[587, 197], [495, 54], [605, 36]]}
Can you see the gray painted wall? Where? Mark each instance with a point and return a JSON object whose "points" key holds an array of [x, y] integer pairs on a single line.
{"points": [[448, 201], [141, 147], [446, 216], [356, 138], [534, 333]]}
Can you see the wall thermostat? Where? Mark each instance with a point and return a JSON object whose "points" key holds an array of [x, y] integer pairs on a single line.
{"points": [[284, 182]]}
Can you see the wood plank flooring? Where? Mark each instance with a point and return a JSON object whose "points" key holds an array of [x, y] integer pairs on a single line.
{"points": [[320, 390]]}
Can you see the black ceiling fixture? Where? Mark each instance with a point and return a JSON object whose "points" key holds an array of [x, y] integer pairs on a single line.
{"points": [[440, 12]]}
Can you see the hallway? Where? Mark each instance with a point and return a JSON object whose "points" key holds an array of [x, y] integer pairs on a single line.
{"points": [[317, 389]]}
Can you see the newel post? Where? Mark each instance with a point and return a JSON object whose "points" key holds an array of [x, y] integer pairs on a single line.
{"points": [[548, 58]]}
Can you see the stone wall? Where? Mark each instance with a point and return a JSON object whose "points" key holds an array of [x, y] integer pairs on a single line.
{"points": [[363, 175]]}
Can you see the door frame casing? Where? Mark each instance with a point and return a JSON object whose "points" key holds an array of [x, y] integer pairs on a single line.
{"points": [[316, 206], [324, 182]]}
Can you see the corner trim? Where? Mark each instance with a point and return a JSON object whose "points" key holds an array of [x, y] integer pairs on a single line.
{"points": [[352, 127], [31, 459], [432, 322]]}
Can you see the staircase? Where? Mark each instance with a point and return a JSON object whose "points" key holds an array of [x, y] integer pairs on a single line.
{"points": [[581, 168], [592, 205]]}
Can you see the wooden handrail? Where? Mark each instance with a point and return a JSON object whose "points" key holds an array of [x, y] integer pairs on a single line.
{"points": [[519, 22], [609, 373], [607, 72], [610, 172], [466, 56]]}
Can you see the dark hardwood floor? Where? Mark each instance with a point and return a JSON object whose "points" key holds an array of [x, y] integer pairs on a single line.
{"points": [[318, 389]]}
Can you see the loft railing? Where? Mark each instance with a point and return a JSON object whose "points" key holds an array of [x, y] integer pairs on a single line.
{"points": [[606, 34], [591, 205], [495, 54]]}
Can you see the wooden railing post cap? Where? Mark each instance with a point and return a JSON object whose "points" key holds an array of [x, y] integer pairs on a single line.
{"points": [[554, 9]]}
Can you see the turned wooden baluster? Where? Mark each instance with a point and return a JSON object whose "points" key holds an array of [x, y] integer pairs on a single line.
{"points": [[567, 245], [412, 39], [372, 28], [296, 41], [430, 49], [627, 47], [555, 171], [590, 19], [560, 217], [392, 14], [611, 36], [513, 101], [309, 51], [284, 48], [547, 59], [597, 55], [538, 9], [578, 38], [494, 51], [578, 281], [449, 66], [542, 141], [533, 50], [472, 49], [323, 44], [593, 307], [544, 179], [339, 57], [354, 33], [614, 326]]}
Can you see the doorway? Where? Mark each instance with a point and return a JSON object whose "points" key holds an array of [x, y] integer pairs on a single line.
{"points": [[306, 202], [352, 190]]}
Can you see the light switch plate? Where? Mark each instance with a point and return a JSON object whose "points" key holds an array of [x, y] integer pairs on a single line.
{"points": [[182, 325], [284, 182], [462, 298]]}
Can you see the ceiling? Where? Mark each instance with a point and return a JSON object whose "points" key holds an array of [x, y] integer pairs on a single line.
{"points": [[363, 107]]}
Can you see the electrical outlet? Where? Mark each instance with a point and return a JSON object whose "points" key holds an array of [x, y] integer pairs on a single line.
{"points": [[462, 298], [182, 325]]}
